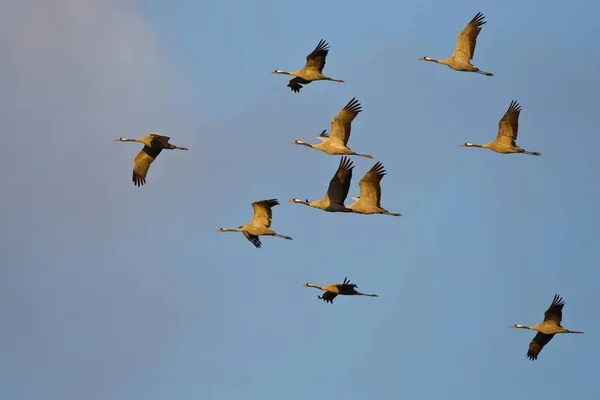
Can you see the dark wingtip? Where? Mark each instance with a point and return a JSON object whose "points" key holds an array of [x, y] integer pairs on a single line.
{"points": [[514, 106], [378, 169], [478, 19], [346, 163], [269, 202], [354, 106], [323, 45], [558, 300], [138, 180]]}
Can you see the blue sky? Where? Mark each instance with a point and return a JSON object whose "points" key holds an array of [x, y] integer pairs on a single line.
{"points": [[113, 292]]}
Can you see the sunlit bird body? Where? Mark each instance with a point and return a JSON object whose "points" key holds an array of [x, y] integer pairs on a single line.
{"points": [[339, 185], [153, 145], [331, 291], [508, 130], [336, 143], [260, 225], [369, 201], [312, 70], [460, 60], [546, 329]]}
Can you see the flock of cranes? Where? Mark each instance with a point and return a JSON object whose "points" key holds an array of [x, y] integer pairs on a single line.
{"points": [[369, 201]]}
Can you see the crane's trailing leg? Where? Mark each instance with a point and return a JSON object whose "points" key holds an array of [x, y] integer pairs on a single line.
{"points": [[366, 294], [362, 155]]}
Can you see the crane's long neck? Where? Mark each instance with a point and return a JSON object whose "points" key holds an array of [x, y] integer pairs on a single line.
{"points": [[230, 230], [474, 145], [314, 286], [301, 143], [305, 202]]}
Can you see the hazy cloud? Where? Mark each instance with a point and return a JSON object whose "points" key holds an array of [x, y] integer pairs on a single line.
{"points": [[78, 320]]}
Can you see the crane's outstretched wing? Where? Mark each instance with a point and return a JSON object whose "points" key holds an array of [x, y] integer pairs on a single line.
{"points": [[141, 163], [296, 84], [323, 136], [263, 213], [346, 287], [339, 185], [161, 139], [467, 39], [370, 186], [316, 59], [341, 124], [537, 344], [255, 240], [508, 127], [328, 297], [554, 312]]}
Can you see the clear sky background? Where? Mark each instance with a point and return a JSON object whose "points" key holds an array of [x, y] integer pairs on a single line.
{"points": [[113, 292]]}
